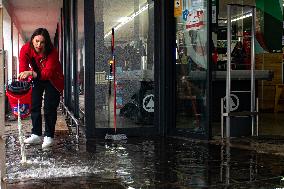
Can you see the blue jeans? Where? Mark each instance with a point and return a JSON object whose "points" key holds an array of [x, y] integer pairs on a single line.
{"points": [[51, 102]]}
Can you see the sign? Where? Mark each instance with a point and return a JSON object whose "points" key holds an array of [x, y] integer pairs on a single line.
{"points": [[100, 78], [194, 19], [234, 102], [178, 8], [148, 103]]}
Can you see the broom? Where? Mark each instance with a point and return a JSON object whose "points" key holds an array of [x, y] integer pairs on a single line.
{"points": [[114, 136]]}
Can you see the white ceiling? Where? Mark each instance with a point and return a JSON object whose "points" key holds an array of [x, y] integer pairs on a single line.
{"points": [[32, 14]]}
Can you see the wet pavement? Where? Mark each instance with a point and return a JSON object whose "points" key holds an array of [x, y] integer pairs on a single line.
{"points": [[163, 163]]}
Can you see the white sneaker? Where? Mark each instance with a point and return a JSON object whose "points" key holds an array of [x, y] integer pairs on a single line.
{"points": [[47, 142], [33, 139]]}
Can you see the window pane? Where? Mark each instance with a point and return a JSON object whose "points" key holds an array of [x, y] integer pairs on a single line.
{"points": [[129, 64], [81, 55], [191, 65]]}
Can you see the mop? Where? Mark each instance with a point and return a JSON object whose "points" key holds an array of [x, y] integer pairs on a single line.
{"points": [[114, 136]]}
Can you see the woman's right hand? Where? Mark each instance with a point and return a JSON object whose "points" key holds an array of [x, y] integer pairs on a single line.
{"points": [[25, 74]]}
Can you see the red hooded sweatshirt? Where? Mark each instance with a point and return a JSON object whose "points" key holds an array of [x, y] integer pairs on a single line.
{"points": [[49, 67]]}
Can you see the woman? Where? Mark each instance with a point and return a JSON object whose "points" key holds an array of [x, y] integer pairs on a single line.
{"points": [[39, 61], [238, 56]]}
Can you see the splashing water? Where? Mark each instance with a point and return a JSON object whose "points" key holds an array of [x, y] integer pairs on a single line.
{"points": [[21, 136]]}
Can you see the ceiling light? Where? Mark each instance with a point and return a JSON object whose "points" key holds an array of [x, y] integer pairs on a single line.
{"points": [[123, 19], [128, 19], [246, 15]]}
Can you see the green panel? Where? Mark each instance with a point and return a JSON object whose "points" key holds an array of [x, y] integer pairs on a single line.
{"points": [[269, 24], [272, 7]]}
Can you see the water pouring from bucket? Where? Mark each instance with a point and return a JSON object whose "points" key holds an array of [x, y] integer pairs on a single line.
{"points": [[21, 136], [19, 96]]}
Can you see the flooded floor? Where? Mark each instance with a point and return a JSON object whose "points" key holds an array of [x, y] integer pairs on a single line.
{"points": [[139, 163]]}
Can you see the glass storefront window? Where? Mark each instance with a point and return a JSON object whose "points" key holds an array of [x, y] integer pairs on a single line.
{"points": [[130, 102], [191, 65], [7, 38], [81, 56]]}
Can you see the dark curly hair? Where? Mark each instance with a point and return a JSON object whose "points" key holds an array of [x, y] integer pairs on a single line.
{"points": [[48, 44]]}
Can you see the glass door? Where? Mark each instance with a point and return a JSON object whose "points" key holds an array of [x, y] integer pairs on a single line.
{"points": [[191, 66], [124, 66]]}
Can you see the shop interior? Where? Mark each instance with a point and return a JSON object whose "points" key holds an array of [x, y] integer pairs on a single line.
{"points": [[268, 64]]}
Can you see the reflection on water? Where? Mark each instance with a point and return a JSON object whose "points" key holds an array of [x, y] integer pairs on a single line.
{"points": [[139, 163]]}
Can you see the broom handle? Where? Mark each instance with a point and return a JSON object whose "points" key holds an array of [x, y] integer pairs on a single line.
{"points": [[114, 83]]}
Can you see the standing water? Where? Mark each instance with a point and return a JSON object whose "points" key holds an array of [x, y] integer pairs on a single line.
{"points": [[146, 163], [165, 163]]}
